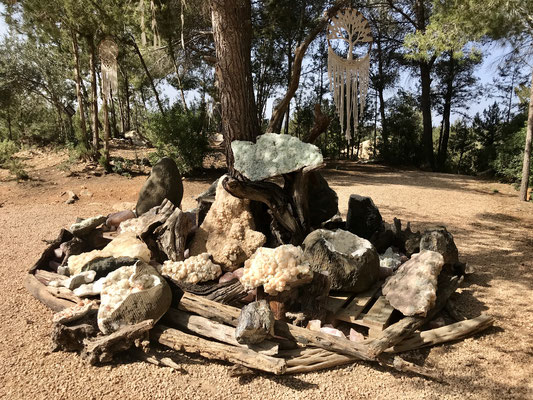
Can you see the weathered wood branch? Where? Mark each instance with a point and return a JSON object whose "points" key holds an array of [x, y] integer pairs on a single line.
{"points": [[395, 333], [320, 125], [214, 330], [39, 291], [299, 53], [181, 341], [102, 349]]}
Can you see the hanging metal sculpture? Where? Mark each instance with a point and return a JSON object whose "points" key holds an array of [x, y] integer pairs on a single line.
{"points": [[108, 51], [348, 76]]}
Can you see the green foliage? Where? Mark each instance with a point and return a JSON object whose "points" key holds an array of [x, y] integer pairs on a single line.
{"points": [[404, 123], [180, 135], [16, 168], [508, 161], [7, 149]]}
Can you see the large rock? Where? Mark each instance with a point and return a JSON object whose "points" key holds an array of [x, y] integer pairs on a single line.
{"points": [[255, 323], [363, 219], [164, 182], [413, 288], [352, 262], [86, 226], [441, 241], [227, 232], [272, 155], [323, 201]]}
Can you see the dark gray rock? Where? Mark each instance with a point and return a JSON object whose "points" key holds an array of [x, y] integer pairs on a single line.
{"points": [[163, 183], [105, 265], [323, 201], [351, 262], [255, 323], [440, 240], [363, 219]]}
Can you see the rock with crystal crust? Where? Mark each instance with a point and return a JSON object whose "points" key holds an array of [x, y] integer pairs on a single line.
{"points": [[351, 262], [413, 288], [194, 269], [227, 232], [272, 155]]}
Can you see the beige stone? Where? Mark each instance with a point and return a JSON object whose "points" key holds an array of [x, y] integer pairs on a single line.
{"points": [[227, 232]]}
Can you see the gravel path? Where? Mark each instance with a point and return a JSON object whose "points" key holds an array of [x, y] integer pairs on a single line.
{"points": [[492, 229]]}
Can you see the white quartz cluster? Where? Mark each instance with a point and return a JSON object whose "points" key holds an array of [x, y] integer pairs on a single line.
{"points": [[194, 269], [276, 269], [118, 285], [272, 155], [124, 245]]}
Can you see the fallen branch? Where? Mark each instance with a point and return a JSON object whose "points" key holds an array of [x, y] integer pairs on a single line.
{"points": [[39, 291], [154, 358], [214, 330], [102, 349], [181, 341]]}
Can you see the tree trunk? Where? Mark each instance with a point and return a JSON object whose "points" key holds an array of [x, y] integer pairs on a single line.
{"points": [[9, 129], [81, 105], [176, 69], [127, 119], [289, 72], [427, 135], [232, 31], [148, 75], [527, 149], [384, 131], [114, 116], [443, 144], [94, 91]]}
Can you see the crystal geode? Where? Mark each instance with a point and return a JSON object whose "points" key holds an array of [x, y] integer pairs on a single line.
{"points": [[272, 155], [413, 288]]}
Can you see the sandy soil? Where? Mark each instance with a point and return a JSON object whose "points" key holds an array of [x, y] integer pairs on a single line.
{"points": [[492, 229]]}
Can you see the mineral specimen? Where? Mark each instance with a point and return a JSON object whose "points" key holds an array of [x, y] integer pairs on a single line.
{"points": [[412, 289], [227, 232], [276, 269], [255, 323], [193, 270], [124, 245], [272, 155], [87, 225], [352, 262], [440, 240]]}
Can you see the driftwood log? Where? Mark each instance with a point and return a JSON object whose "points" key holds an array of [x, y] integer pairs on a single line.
{"points": [[181, 341]]}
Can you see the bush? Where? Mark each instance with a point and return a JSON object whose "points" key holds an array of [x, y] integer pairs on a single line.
{"points": [[7, 149], [509, 158], [179, 135], [16, 168]]}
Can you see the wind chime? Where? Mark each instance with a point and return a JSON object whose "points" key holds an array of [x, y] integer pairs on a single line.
{"points": [[108, 51], [348, 77]]}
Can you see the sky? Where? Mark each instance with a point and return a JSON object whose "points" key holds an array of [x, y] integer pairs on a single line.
{"points": [[492, 58]]}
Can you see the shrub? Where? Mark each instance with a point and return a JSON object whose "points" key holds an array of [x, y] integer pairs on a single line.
{"points": [[7, 149], [180, 135], [16, 168]]}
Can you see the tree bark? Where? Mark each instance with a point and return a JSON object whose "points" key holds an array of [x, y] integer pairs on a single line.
{"points": [[9, 129], [94, 92], [81, 105], [526, 166], [232, 31], [443, 144]]}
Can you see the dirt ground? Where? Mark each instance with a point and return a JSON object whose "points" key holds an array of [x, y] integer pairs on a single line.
{"points": [[492, 229]]}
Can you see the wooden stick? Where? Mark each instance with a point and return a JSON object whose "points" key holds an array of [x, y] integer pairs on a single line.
{"points": [[228, 315], [156, 359], [63, 293], [39, 291], [181, 341], [47, 276], [102, 349], [447, 333], [397, 332], [214, 330]]}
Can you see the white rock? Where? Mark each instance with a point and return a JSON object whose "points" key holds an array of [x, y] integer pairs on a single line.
{"points": [[193, 270], [272, 155]]}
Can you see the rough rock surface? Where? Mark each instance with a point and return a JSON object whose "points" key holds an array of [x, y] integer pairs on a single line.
{"points": [[323, 201], [441, 241], [86, 226], [389, 262], [227, 232], [352, 262], [272, 155], [413, 288], [164, 182], [104, 265], [255, 323], [114, 219], [194, 269], [276, 269], [124, 245], [363, 218]]}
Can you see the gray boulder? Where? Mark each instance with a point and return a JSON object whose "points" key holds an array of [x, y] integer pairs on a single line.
{"points": [[255, 323], [163, 183], [440, 240], [363, 218], [86, 226], [351, 262]]}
